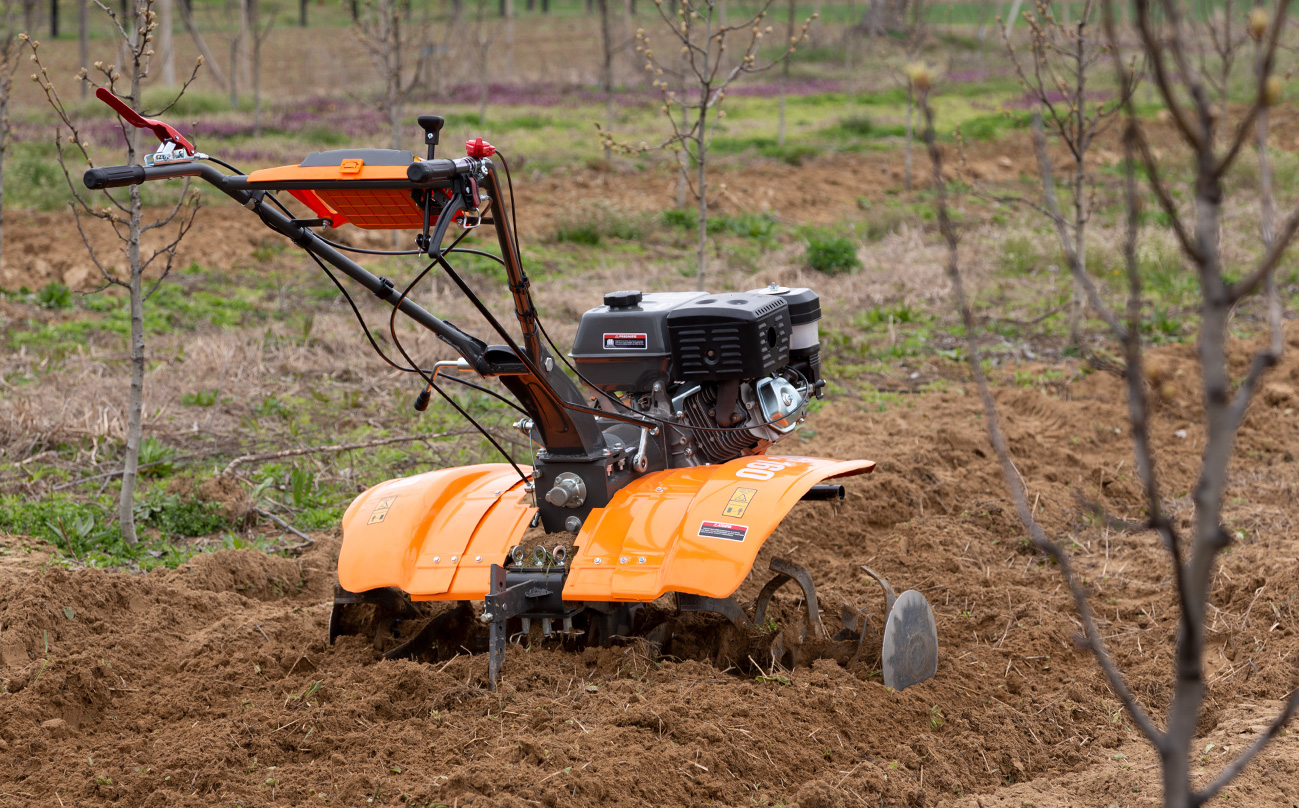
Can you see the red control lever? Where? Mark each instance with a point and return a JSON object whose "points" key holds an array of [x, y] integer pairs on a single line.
{"points": [[165, 132]]}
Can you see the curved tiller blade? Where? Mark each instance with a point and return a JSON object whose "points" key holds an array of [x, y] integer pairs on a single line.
{"points": [[910, 642]]}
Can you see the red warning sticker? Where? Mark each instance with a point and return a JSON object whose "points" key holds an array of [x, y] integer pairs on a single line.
{"points": [[626, 342], [722, 530]]}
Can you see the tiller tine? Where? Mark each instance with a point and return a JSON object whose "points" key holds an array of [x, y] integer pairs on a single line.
{"points": [[787, 571], [388, 601], [910, 652], [449, 629]]}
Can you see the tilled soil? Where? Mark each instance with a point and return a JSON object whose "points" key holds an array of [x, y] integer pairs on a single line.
{"points": [[214, 684]]}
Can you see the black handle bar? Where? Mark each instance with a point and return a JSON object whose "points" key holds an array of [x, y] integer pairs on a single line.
{"points": [[420, 174], [114, 177]]}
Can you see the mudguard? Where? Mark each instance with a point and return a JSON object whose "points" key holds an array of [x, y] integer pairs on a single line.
{"points": [[694, 530], [434, 535]]}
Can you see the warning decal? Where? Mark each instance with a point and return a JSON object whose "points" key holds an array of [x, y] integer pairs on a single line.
{"points": [[381, 510], [626, 342], [722, 530], [739, 502]]}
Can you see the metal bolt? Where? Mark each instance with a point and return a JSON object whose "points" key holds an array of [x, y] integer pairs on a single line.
{"points": [[454, 559], [641, 560], [597, 562], [680, 415], [658, 490], [550, 364], [478, 559], [658, 386], [486, 618], [622, 559], [572, 524]]}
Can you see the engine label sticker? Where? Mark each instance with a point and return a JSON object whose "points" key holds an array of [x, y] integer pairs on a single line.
{"points": [[381, 510], [739, 502], [626, 342], [722, 530]]}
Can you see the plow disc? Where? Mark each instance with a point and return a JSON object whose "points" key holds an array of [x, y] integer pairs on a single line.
{"points": [[527, 607]]}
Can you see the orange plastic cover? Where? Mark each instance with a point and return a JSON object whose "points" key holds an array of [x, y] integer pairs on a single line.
{"points": [[370, 209], [434, 535], [695, 530]]}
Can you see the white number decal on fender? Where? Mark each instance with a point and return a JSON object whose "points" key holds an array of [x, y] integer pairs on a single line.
{"points": [[761, 469]]}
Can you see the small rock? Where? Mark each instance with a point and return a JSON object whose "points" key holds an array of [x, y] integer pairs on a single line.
{"points": [[1005, 162], [1181, 433]]}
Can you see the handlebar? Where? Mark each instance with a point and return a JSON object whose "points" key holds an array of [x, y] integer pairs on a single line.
{"points": [[114, 177], [420, 174]]}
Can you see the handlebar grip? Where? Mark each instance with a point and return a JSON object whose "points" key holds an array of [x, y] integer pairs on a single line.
{"points": [[113, 177], [423, 171]]}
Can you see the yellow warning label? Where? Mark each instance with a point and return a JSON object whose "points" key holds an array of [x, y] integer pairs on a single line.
{"points": [[381, 510], [739, 502]]}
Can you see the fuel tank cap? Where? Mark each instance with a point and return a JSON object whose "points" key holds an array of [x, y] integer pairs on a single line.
{"points": [[623, 300]]}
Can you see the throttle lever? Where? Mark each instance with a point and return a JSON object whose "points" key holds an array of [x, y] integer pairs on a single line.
{"points": [[165, 132]]}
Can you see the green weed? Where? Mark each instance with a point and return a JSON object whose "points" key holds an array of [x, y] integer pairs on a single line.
{"points": [[55, 295], [830, 253], [199, 398], [156, 457]]}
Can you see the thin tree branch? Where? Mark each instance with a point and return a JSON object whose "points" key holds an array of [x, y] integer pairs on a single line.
{"points": [[1013, 479]]}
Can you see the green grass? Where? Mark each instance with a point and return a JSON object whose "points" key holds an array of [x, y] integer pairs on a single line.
{"points": [[86, 530], [991, 126], [595, 225], [171, 308]]}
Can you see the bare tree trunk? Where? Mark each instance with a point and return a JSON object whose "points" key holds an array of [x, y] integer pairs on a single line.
{"points": [[701, 188], [906, 176], [54, 19], [244, 52], [258, 39], [165, 43], [508, 36], [135, 407], [302, 13], [83, 42], [784, 76], [4, 151], [234, 71], [392, 36], [606, 69], [209, 60], [683, 179], [483, 51]]}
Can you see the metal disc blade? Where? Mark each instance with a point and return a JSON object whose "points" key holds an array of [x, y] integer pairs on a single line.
{"points": [[910, 642]]}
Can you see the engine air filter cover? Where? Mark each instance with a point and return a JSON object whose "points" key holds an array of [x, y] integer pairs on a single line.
{"points": [[729, 336]]}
